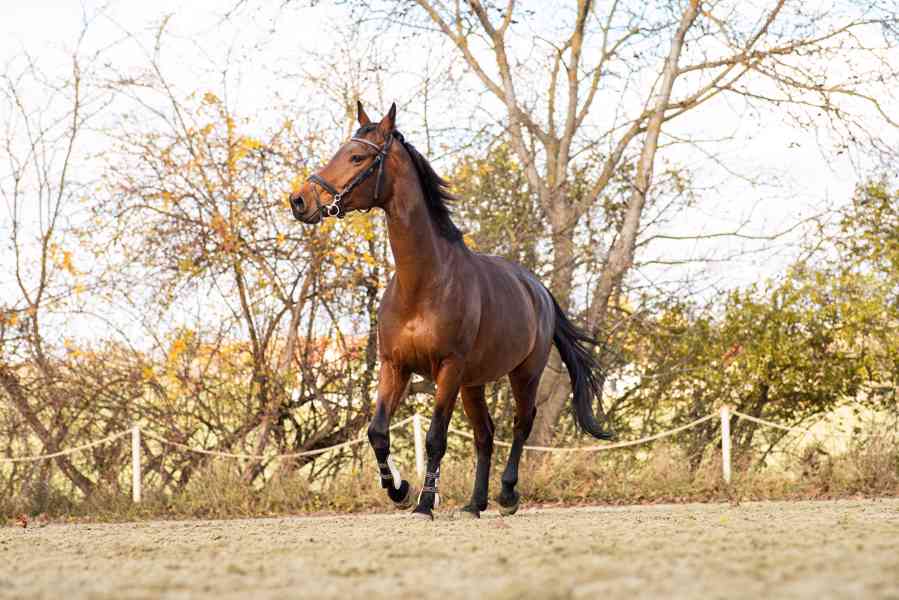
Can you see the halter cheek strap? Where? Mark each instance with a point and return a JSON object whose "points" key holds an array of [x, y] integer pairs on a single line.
{"points": [[335, 209]]}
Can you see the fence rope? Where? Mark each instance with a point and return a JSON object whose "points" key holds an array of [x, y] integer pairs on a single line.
{"points": [[361, 438], [599, 448], [105, 440]]}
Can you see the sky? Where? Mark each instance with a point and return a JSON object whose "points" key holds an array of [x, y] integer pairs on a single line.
{"points": [[795, 177]]}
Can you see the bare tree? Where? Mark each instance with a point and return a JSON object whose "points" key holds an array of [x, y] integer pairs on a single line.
{"points": [[44, 121], [198, 204], [779, 56]]}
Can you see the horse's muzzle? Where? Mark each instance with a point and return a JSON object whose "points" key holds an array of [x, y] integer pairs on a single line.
{"points": [[298, 208]]}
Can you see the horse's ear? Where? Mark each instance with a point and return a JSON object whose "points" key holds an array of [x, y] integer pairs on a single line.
{"points": [[388, 123], [360, 114]]}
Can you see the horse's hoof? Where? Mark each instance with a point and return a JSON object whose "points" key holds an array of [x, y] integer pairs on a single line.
{"points": [[406, 502], [468, 513], [424, 516], [508, 509]]}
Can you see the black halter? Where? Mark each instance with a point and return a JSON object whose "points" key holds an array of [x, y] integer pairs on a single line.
{"points": [[335, 209]]}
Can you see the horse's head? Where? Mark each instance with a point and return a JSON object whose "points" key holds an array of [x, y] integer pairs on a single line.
{"points": [[354, 177]]}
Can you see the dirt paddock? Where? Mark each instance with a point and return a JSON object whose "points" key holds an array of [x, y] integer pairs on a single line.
{"points": [[843, 549]]}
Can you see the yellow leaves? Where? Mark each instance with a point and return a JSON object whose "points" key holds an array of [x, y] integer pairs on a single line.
{"points": [[166, 155], [280, 239], [62, 259], [295, 184], [242, 148], [361, 225], [470, 241], [227, 230], [185, 265], [219, 225], [9, 318], [368, 259], [177, 349], [148, 373], [210, 98], [72, 349], [249, 144]]}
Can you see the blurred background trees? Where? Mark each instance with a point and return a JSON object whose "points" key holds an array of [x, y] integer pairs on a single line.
{"points": [[152, 274]]}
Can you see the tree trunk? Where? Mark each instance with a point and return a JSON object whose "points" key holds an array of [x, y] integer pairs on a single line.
{"points": [[255, 467], [555, 387], [552, 394], [11, 385], [621, 255]]}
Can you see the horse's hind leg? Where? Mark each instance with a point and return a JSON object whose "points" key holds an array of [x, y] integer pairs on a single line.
{"points": [[479, 416], [524, 387]]}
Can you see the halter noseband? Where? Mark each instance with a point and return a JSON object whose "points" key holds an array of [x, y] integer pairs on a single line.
{"points": [[335, 209]]}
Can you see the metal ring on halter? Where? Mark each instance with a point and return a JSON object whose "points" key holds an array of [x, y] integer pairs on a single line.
{"points": [[333, 209]]}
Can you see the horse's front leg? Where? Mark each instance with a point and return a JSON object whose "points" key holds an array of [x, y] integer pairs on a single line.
{"points": [[392, 384], [448, 382]]}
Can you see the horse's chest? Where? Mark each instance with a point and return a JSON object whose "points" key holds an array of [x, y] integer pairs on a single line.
{"points": [[417, 342]]}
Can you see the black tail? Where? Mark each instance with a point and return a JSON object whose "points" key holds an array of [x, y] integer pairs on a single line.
{"points": [[586, 374]]}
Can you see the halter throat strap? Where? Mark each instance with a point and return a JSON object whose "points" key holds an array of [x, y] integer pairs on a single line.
{"points": [[335, 209]]}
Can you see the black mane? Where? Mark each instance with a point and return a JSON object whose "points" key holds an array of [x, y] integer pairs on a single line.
{"points": [[436, 188]]}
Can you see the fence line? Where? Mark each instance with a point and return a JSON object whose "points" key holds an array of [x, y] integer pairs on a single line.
{"points": [[599, 447], [135, 432], [769, 423], [105, 440], [315, 452]]}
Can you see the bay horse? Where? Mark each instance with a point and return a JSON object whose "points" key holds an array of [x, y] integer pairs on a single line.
{"points": [[456, 317]]}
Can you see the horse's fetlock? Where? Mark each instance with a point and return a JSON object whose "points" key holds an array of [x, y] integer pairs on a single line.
{"points": [[509, 481]]}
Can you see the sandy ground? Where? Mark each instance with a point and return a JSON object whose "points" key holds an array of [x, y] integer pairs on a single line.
{"points": [[844, 549]]}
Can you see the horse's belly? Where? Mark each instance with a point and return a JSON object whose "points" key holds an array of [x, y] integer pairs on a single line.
{"points": [[498, 355]]}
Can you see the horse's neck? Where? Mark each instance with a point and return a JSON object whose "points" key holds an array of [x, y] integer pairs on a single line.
{"points": [[419, 252]]}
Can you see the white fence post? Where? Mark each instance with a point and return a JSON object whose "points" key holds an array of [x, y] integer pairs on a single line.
{"points": [[725, 443], [135, 464], [419, 446]]}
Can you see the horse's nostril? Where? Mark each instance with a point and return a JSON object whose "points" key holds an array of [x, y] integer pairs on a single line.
{"points": [[298, 203]]}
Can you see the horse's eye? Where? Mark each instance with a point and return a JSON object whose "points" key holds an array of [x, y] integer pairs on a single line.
{"points": [[356, 158]]}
